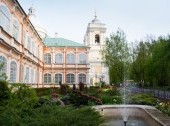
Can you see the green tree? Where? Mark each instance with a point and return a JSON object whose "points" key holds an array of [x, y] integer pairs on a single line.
{"points": [[2, 75], [116, 56], [151, 65], [138, 66], [160, 62]]}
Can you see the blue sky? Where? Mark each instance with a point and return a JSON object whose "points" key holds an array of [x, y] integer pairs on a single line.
{"points": [[69, 18]]}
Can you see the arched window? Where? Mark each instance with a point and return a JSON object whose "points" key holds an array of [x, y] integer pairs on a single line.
{"points": [[4, 18], [59, 58], [70, 78], [82, 59], [27, 75], [28, 42], [15, 30], [70, 58], [32, 76], [97, 38], [35, 77], [13, 72], [47, 78], [82, 78], [58, 78], [33, 47], [22, 73], [3, 62], [47, 58]]}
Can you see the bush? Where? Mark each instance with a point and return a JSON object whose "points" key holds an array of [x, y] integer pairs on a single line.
{"points": [[111, 92], [22, 91], [106, 99], [23, 96], [164, 107], [43, 91], [4, 90], [64, 88], [81, 86], [50, 115], [142, 99], [94, 91], [78, 98]]}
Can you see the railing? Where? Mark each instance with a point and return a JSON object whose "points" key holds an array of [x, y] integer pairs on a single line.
{"points": [[155, 93]]}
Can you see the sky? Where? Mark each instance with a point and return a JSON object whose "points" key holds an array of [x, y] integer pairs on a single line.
{"points": [[69, 18]]}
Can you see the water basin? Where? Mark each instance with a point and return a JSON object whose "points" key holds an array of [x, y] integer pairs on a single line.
{"points": [[136, 115]]}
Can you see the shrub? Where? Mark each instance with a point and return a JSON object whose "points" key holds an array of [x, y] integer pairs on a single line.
{"points": [[43, 91], [4, 90], [106, 99], [81, 86], [78, 98], [23, 96], [143, 99], [64, 88], [111, 92], [94, 91], [74, 87], [164, 107], [22, 91], [50, 115]]}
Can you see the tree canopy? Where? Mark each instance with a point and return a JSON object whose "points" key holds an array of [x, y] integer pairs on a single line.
{"points": [[116, 56]]}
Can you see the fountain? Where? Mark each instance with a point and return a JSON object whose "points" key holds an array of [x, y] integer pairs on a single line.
{"points": [[124, 113], [132, 115], [140, 115]]}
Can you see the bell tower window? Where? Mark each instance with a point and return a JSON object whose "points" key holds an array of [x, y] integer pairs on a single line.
{"points": [[97, 39]]}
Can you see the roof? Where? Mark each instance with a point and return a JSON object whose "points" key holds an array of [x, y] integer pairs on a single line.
{"points": [[61, 42]]}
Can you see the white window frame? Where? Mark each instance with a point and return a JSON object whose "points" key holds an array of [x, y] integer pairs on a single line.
{"points": [[71, 59], [58, 78], [59, 58], [82, 58], [5, 17], [47, 58], [27, 73], [47, 78], [70, 78], [16, 29], [13, 72], [82, 78]]}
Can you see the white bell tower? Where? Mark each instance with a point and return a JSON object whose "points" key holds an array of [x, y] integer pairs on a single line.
{"points": [[95, 39]]}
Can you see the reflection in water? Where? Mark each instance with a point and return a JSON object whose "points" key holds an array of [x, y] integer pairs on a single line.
{"points": [[132, 121]]}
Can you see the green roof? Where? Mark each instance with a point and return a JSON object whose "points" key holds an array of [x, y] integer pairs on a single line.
{"points": [[61, 42]]}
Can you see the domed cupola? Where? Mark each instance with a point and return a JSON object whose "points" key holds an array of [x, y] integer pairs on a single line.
{"points": [[36, 23], [95, 20]]}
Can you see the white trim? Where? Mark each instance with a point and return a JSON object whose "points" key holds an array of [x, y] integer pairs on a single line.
{"points": [[19, 28], [61, 75]]}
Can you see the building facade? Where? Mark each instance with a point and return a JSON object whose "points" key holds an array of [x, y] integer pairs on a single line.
{"points": [[21, 48], [95, 39], [30, 57], [65, 61]]}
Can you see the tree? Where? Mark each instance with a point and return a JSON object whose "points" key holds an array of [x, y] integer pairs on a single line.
{"points": [[2, 75], [151, 65], [116, 56], [138, 66]]}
